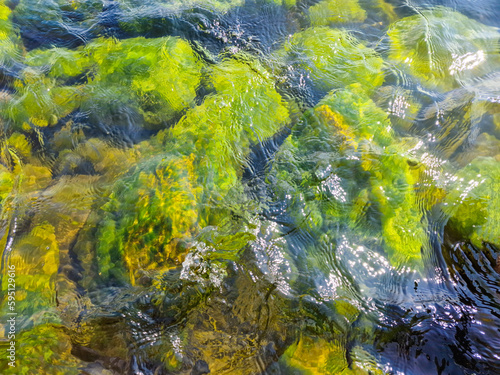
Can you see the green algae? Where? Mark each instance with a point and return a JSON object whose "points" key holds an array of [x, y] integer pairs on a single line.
{"points": [[401, 105], [179, 5], [14, 151], [334, 58], [177, 200], [207, 150], [6, 185], [156, 77], [5, 24], [311, 356], [442, 48], [36, 260], [351, 157], [334, 11], [45, 348], [57, 62], [9, 40], [472, 200], [11, 51], [40, 101]]}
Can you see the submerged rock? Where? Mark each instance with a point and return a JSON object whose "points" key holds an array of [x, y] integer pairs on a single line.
{"points": [[158, 255], [11, 48], [334, 11], [474, 194], [343, 166], [442, 48], [170, 198], [152, 79], [157, 78], [333, 58]]}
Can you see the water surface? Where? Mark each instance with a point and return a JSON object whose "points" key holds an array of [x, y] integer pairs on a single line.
{"points": [[250, 187]]}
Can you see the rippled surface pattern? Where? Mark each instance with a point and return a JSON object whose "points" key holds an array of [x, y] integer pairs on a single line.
{"points": [[289, 187]]}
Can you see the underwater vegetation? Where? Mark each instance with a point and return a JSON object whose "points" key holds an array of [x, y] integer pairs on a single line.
{"points": [[185, 188], [344, 59], [249, 187], [333, 11], [346, 158], [446, 51]]}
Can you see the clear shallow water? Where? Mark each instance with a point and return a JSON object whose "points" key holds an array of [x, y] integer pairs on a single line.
{"points": [[250, 187]]}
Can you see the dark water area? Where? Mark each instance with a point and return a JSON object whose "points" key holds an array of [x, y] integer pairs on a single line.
{"points": [[250, 187]]}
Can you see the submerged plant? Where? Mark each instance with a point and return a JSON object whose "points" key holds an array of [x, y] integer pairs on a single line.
{"points": [[36, 260], [334, 11], [334, 58], [6, 185], [442, 48], [179, 5], [40, 101], [343, 166], [212, 240], [59, 62], [472, 201], [157, 78], [169, 198], [46, 348], [313, 355], [60, 23], [14, 151]]}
